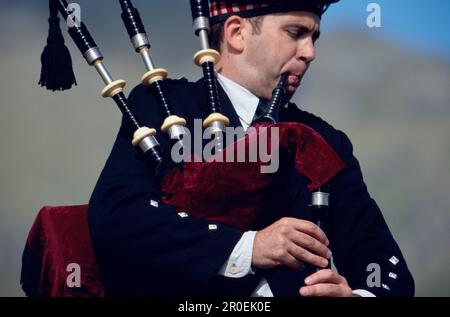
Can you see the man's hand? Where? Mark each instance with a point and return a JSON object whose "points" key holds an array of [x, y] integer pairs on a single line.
{"points": [[326, 283], [289, 241]]}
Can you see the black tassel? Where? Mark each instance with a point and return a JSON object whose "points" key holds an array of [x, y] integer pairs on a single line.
{"points": [[56, 71]]}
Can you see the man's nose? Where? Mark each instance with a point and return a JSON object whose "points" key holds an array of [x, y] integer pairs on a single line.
{"points": [[306, 51]]}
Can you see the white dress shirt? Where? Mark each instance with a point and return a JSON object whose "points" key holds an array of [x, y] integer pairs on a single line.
{"points": [[239, 263]]}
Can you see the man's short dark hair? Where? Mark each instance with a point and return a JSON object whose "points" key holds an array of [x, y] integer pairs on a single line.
{"points": [[216, 35]]}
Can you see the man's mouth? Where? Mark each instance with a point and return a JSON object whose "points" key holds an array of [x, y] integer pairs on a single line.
{"points": [[294, 82]]}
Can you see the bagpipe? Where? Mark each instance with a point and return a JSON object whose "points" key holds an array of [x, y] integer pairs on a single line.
{"points": [[187, 186]]}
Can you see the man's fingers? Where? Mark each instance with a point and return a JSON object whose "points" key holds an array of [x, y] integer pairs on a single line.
{"points": [[302, 254], [301, 240], [292, 262], [326, 283], [324, 290], [312, 244], [325, 276], [311, 229]]}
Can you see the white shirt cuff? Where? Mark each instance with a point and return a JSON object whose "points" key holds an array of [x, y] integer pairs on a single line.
{"points": [[363, 293], [239, 263], [262, 290]]}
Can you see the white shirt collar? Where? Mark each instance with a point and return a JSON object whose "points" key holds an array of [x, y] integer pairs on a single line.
{"points": [[244, 102]]}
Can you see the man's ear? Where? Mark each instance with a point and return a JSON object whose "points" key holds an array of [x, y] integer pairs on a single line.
{"points": [[233, 33]]}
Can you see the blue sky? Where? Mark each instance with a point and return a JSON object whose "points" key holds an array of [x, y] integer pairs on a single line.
{"points": [[416, 24]]}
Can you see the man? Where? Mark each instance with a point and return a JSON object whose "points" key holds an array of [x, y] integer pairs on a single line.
{"points": [[145, 247]]}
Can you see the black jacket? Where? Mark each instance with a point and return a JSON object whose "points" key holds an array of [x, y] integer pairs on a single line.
{"points": [[144, 250]]}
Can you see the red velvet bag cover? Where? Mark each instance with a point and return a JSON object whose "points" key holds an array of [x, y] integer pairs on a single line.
{"points": [[233, 193], [60, 236]]}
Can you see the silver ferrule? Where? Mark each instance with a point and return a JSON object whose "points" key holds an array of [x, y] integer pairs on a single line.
{"points": [[201, 23], [320, 199], [147, 60], [92, 55], [218, 128], [148, 143], [176, 132], [140, 40], [103, 72]]}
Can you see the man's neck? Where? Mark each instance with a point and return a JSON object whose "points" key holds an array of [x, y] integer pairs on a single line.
{"points": [[232, 70], [235, 82], [235, 74]]}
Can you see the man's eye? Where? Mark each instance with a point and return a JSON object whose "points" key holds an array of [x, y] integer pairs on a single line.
{"points": [[295, 34]]}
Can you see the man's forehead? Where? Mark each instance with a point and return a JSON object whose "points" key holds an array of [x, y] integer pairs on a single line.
{"points": [[300, 18]]}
